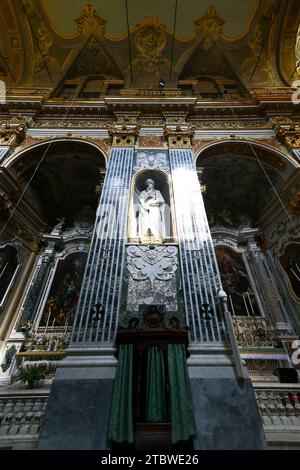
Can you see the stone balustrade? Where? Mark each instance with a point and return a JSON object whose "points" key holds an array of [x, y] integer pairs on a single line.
{"points": [[21, 415], [279, 408]]}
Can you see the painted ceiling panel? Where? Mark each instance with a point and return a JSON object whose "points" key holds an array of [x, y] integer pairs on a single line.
{"points": [[236, 14]]}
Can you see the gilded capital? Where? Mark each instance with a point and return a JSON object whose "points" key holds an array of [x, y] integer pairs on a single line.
{"points": [[289, 134], [12, 135], [123, 136], [179, 138]]}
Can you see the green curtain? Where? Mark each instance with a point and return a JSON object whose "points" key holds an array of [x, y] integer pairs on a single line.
{"points": [[120, 428], [156, 410], [181, 405]]}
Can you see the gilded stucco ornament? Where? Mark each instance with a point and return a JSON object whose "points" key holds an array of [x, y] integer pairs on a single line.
{"points": [[12, 135], [289, 134], [263, 72], [43, 55], [30, 8], [123, 136], [297, 52], [179, 137], [151, 42], [210, 22], [5, 203], [294, 202], [90, 21]]}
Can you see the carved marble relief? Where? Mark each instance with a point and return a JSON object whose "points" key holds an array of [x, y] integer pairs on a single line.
{"points": [[152, 276], [151, 160]]}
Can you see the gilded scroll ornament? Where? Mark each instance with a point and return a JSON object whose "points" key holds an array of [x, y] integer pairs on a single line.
{"points": [[11, 135], [297, 52], [294, 202], [289, 135], [210, 22], [150, 41], [90, 21]]}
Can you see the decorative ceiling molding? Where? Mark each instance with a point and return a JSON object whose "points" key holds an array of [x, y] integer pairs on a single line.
{"points": [[210, 22], [90, 21], [288, 49]]}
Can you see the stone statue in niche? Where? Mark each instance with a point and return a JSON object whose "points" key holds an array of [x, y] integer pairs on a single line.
{"points": [[151, 220]]}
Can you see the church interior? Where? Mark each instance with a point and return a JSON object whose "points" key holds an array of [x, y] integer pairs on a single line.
{"points": [[149, 225]]}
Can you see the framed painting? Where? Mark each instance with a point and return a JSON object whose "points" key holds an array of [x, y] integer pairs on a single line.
{"points": [[236, 282], [62, 299]]}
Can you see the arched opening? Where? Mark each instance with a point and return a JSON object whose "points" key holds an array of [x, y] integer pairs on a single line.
{"points": [[243, 190], [241, 182], [60, 179]]}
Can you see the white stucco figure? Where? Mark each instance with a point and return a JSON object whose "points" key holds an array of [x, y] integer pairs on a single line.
{"points": [[151, 220]]}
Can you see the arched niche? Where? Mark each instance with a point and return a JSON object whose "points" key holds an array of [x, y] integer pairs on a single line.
{"points": [[137, 216]]}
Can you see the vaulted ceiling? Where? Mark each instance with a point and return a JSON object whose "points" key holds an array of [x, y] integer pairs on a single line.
{"points": [[43, 42], [188, 11]]}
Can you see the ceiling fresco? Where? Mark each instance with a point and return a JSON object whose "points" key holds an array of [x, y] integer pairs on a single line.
{"points": [[236, 19], [256, 40]]}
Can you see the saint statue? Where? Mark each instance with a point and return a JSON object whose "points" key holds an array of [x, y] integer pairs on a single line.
{"points": [[151, 212]]}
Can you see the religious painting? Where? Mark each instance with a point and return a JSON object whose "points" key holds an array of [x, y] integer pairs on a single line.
{"points": [[64, 292], [290, 264], [236, 283], [9, 264]]}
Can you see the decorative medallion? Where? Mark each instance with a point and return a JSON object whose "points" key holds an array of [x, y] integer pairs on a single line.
{"points": [[150, 41]]}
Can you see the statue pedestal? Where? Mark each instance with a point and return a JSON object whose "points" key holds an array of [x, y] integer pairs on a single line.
{"points": [[79, 403], [226, 412]]}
